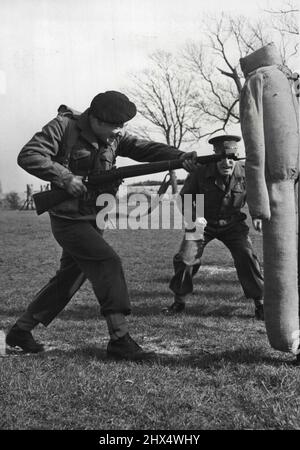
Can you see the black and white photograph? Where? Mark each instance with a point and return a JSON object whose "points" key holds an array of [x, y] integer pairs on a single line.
{"points": [[149, 216]]}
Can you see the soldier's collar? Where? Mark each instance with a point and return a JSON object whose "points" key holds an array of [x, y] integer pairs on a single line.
{"points": [[86, 131]]}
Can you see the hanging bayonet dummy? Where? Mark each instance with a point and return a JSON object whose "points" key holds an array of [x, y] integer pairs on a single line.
{"points": [[270, 128]]}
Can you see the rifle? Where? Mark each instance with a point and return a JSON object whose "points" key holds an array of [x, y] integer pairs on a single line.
{"points": [[48, 199]]}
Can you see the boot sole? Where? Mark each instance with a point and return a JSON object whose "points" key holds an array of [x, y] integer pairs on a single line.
{"points": [[14, 345]]}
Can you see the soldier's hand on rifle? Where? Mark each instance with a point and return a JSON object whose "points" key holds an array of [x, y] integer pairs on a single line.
{"points": [[74, 185], [189, 161]]}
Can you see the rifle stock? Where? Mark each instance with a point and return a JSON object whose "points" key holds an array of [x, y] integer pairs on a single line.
{"points": [[48, 199]]}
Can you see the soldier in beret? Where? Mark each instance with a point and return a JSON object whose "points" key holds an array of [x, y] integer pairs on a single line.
{"points": [[223, 186], [71, 146]]}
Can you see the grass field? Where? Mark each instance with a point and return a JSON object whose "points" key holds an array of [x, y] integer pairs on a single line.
{"points": [[216, 369]]}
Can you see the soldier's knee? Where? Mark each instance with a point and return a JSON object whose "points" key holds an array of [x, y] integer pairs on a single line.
{"points": [[245, 257], [243, 251]]}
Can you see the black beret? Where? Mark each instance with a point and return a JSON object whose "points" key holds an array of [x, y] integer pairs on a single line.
{"points": [[225, 144], [112, 107]]}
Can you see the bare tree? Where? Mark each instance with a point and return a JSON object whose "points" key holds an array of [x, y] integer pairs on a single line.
{"points": [[214, 63], [165, 99], [202, 84], [286, 19], [286, 22]]}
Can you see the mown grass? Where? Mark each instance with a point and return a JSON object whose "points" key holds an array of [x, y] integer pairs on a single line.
{"points": [[215, 369]]}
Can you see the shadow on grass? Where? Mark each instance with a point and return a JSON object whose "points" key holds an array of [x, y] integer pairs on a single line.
{"points": [[225, 311], [198, 280], [205, 360], [153, 293], [92, 312], [206, 293], [77, 314], [220, 311], [196, 359]]}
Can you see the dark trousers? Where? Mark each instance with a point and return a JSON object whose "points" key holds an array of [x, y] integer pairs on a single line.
{"points": [[85, 255], [236, 238]]}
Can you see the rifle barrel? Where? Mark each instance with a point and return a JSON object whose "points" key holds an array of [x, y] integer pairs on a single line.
{"points": [[149, 168]]}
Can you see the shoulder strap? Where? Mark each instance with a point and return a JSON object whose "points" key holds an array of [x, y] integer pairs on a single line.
{"points": [[71, 133]]}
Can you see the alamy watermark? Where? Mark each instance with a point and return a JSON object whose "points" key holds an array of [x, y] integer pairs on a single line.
{"points": [[143, 211]]}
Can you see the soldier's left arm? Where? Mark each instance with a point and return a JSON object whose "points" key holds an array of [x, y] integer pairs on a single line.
{"points": [[149, 151]]}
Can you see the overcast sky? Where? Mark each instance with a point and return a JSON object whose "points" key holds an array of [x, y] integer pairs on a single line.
{"points": [[66, 51]]}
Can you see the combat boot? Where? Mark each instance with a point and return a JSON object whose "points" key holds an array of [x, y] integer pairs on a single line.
{"points": [[177, 307], [126, 348], [16, 337]]}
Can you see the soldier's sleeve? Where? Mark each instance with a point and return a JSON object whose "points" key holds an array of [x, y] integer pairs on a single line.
{"points": [[146, 151], [36, 157], [242, 164]]}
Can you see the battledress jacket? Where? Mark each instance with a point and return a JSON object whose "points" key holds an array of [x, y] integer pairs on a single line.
{"points": [[48, 156], [222, 202]]}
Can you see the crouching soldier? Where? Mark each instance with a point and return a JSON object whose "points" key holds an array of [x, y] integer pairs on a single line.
{"points": [[223, 186]]}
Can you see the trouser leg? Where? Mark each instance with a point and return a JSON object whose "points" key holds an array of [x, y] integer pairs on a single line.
{"points": [[182, 281], [85, 255], [98, 261], [117, 325], [186, 264], [55, 295], [237, 240]]}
